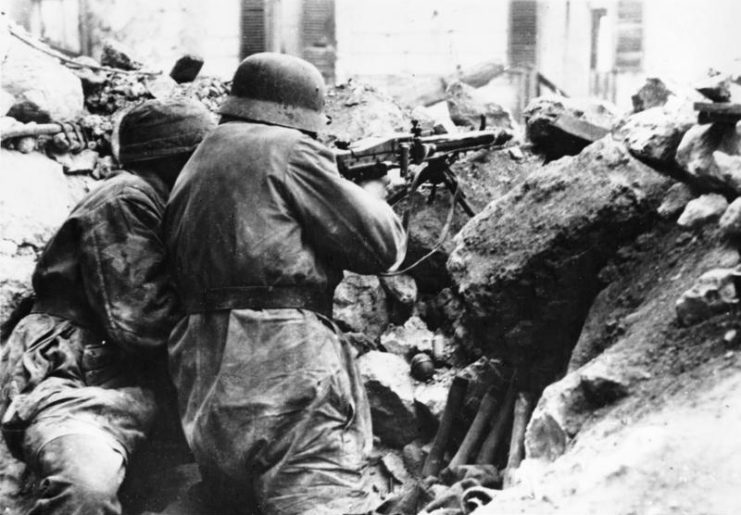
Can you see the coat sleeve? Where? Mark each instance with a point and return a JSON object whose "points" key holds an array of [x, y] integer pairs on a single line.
{"points": [[350, 228], [125, 274]]}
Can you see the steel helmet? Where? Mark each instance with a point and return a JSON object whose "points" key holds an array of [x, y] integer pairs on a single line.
{"points": [[162, 128], [278, 89]]}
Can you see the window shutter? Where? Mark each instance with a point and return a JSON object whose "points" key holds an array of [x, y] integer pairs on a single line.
{"points": [[252, 27], [629, 53], [318, 36], [523, 30]]}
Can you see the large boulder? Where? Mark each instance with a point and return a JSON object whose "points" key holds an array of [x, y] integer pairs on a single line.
{"points": [[483, 176], [391, 395], [39, 83], [527, 266]]}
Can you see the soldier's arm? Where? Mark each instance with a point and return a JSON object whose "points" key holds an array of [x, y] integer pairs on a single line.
{"points": [[125, 274], [353, 229]]}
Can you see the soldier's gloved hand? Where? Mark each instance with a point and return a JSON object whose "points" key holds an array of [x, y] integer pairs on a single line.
{"points": [[376, 187]]}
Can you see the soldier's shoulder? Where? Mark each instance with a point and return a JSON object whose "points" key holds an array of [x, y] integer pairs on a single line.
{"points": [[123, 186]]}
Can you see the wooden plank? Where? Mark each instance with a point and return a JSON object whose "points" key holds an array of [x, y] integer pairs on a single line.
{"points": [[729, 108]]}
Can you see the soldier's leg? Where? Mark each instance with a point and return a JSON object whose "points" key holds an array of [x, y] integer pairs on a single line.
{"points": [[79, 474]]}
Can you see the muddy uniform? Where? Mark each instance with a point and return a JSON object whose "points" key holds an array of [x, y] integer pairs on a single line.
{"points": [[260, 226], [76, 374]]}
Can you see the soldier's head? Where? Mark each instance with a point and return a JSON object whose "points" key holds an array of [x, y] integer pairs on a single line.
{"points": [[277, 89], [159, 136]]}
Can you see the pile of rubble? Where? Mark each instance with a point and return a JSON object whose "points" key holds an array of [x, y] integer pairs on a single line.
{"points": [[554, 315], [58, 140]]}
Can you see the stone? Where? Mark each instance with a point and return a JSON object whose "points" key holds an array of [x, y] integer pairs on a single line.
{"points": [[543, 112], [360, 305], [566, 405], [401, 291], [187, 68], [118, 55], [409, 339], [695, 154], [702, 210], [161, 86], [730, 222], [656, 92], [431, 398], [535, 254], [653, 135], [468, 108], [40, 84], [717, 88], [729, 168], [483, 176], [391, 395], [713, 292], [414, 458], [675, 200], [653, 93]]}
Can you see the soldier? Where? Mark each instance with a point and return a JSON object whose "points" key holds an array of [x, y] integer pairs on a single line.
{"points": [[261, 226], [78, 371]]}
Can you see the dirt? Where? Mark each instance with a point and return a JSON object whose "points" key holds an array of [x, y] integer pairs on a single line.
{"points": [[668, 446]]}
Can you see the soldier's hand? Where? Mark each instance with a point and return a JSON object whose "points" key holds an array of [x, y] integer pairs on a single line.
{"points": [[376, 187]]}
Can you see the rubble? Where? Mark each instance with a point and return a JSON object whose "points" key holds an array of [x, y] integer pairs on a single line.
{"points": [[702, 210], [359, 111], [719, 88], [730, 222], [360, 305], [654, 93], [117, 55], [406, 340], [541, 121], [695, 154], [483, 176], [468, 109], [391, 395], [677, 197], [654, 134], [714, 292], [401, 291], [532, 257], [42, 88]]}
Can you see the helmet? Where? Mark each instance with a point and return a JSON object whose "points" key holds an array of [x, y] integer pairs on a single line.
{"points": [[277, 89], [162, 128]]}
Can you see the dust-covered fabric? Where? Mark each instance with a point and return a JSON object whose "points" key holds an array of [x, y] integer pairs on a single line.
{"points": [[270, 398], [84, 360]]}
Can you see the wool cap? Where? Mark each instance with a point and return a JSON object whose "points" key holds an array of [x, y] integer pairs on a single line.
{"points": [[162, 128]]}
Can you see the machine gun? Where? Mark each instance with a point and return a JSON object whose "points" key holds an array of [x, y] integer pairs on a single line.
{"points": [[373, 158]]}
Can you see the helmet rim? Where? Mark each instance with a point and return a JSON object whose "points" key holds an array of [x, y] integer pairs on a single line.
{"points": [[276, 113]]}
